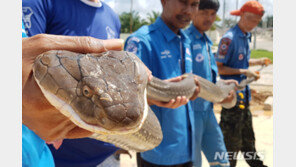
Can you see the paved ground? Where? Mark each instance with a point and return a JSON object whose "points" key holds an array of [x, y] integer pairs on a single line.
{"points": [[263, 43]]}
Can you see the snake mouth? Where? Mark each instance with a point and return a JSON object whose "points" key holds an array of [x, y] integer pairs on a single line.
{"points": [[69, 112]]}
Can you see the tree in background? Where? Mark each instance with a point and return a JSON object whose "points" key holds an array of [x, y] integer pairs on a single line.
{"points": [[152, 17], [125, 21], [229, 23], [270, 21], [215, 25]]}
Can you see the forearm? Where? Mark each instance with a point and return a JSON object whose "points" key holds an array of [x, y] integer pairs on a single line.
{"points": [[254, 62], [224, 70]]}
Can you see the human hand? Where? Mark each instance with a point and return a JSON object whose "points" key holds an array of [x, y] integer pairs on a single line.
{"points": [[230, 81], [229, 98], [197, 89], [150, 76], [35, 45], [37, 113], [254, 74], [265, 61], [173, 103]]}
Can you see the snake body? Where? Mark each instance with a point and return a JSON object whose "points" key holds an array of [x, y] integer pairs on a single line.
{"points": [[106, 94]]}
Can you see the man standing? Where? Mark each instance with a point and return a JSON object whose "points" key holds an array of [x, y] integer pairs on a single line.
{"points": [[233, 60], [165, 50], [209, 137], [74, 18]]}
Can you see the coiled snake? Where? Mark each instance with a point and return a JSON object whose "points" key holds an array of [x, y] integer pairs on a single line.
{"points": [[106, 93]]}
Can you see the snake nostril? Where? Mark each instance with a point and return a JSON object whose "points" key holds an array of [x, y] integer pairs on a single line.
{"points": [[116, 112]]}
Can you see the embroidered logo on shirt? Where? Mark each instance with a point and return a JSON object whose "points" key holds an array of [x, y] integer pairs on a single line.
{"points": [[165, 54], [225, 42], [241, 57], [199, 57], [110, 33], [197, 46], [27, 13], [132, 45]]}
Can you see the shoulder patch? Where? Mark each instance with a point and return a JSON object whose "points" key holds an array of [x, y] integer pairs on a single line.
{"points": [[224, 45], [27, 13], [132, 45], [110, 33]]}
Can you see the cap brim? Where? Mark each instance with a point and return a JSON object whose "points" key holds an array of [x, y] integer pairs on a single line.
{"points": [[235, 12]]}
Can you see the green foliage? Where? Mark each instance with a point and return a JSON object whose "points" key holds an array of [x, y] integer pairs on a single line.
{"points": [[269, 21], [137, 22], [152, 17], [262, 53], [214, 26], [229, 23]]}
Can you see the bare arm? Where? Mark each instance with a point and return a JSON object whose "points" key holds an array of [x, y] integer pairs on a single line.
{"points": [[224, 70], [262, 61]]}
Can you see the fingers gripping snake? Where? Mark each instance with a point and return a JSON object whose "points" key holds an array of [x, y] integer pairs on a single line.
{"points": [[106, 94]]}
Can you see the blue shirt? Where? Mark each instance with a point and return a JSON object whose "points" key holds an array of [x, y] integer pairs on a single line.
{"points": [[234, 51], [163, 52], [70, 17], [35, 152], [203, 64], [73, 18]]}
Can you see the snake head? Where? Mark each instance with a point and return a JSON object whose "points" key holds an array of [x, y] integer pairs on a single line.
{"points": [[103, 93]]}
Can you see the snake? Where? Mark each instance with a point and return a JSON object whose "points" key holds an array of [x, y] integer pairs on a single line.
{"points": [[106, 93]]}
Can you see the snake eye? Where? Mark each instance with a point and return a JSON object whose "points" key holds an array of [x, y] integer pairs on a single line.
{"points": [[86, 91]]}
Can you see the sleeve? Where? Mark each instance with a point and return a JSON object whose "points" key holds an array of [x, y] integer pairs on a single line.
{"points": [[24, 35], [225, 50], [140, 48], [35, 15]]}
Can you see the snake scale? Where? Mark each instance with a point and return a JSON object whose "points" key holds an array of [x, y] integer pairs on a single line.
{"points": [[107, 93]]}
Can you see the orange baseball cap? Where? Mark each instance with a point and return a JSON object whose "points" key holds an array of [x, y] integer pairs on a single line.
{"points": [[250, 6]]}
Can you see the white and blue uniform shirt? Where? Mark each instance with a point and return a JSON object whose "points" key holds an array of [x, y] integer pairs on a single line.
{"points": [[234, 51], [70, 17], [203, 63], [167, 55]]}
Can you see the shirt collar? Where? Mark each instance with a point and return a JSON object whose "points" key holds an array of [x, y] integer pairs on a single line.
{"points": [[167, 32], [93, 4], [198, 35], [241, 34]]}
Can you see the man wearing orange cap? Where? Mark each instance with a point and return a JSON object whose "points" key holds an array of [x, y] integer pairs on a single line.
{"points": [[233, 60]]}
